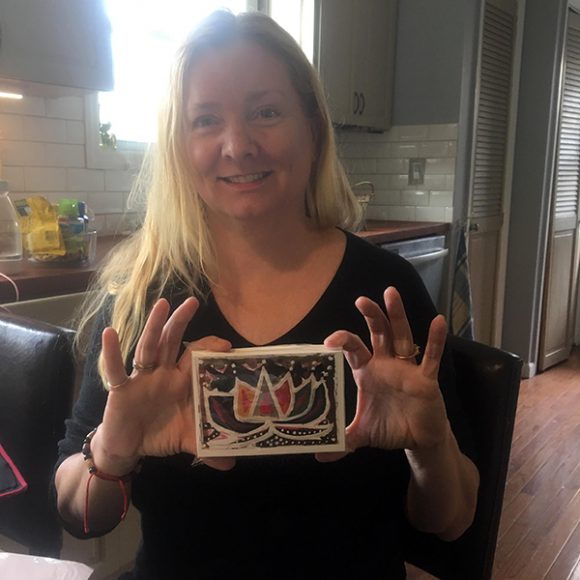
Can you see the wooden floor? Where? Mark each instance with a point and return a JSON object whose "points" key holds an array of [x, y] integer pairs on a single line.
{"points": [[539, 534]]}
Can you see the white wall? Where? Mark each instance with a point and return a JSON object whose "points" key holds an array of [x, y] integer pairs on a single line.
{"points": [[43, 152]]}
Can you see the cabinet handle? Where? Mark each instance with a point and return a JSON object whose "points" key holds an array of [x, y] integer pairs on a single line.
{"points": [[356, 103], [363, 104]]}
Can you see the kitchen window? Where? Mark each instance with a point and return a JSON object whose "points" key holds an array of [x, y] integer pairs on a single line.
{"points": [[145, 35]]}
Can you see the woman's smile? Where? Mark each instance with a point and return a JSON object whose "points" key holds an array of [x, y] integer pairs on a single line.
{"points": [[246, 179]]}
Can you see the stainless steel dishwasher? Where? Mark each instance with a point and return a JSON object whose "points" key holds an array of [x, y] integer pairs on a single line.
{"points": [[428, 257]]}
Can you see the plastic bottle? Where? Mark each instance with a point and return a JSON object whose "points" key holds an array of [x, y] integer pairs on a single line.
{"points": [[72, 227], [10, 235]]}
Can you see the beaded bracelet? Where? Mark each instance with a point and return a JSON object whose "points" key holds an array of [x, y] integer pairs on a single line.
{"points": [[122, 480]]}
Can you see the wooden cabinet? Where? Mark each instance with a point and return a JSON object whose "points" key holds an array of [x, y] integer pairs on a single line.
{"points": [[354, 52], [55, 42]]}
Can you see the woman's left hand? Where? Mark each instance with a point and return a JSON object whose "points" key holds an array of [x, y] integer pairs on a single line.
{"points": [[399, 403]]}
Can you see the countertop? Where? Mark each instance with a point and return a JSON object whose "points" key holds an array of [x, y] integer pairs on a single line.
{"points": [[381, 232], [38, 280]]}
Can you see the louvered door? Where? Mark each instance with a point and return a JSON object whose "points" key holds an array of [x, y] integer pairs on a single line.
{"points": [[562, 266], [486, 207]]}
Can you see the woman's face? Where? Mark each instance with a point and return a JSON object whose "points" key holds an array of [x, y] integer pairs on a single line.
{"points": [[250, 144]]}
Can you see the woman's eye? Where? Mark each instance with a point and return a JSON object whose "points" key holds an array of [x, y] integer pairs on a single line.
{"points": [[267, 113], [203, 122]]}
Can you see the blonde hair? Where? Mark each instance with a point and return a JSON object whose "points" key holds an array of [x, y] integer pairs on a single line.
{"points": [[174, 246]]}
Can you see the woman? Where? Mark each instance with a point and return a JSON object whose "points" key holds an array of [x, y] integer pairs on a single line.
{"points": [[241, 246]]}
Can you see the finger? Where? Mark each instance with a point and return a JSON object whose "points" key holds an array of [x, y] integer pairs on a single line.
{"points": [[112, 357], [147, 346], [213, 343], [402, 337], [172, 334], [331, 456], [355, 351], [435, 346], [220, 463], [377, 323]]}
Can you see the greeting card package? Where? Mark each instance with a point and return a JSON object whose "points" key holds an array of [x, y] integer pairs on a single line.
{"points": [[269, 400]]}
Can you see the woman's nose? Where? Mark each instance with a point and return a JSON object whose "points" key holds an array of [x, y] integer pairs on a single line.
{"points": [[238, 141]]}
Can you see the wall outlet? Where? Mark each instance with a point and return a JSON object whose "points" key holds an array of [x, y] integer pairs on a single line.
{"points": [[417, 171]]}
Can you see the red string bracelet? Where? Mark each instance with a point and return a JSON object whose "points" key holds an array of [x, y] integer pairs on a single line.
{"points": [[122, 480]]}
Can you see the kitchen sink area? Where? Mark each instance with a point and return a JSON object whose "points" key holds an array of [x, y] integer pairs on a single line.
{"points": [[57, 310]]}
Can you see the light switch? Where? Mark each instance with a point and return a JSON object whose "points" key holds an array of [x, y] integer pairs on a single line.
{"points": [[417, 171]]}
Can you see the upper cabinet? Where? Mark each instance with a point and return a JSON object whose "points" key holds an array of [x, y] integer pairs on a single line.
{"points": [[55, 42], [354, 52]]}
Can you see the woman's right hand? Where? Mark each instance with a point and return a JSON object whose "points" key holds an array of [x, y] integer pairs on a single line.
{"points": [[151, 413]]}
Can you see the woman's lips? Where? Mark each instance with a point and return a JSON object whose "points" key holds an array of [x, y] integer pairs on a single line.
{"points": [[247, 178]]}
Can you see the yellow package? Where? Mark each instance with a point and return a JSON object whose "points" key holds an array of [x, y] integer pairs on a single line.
{"points": [[44, 238]]}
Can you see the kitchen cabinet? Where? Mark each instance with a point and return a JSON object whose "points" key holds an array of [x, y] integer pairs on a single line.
{"points": [[55, 43], [354, 53]]}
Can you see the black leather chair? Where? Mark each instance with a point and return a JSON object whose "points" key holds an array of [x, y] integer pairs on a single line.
{"points": [[37, 378], [488, 382]]}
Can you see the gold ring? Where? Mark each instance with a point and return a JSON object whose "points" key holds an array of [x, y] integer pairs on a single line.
{"points": [[121, 384], [143, 368], [416, 351]]}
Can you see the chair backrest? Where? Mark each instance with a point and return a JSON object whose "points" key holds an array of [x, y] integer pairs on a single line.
{"points": [[37, 377], [488, 381]]}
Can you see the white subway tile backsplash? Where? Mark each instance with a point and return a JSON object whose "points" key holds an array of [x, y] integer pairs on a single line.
{"points": [[43, 129], [75, 132], [436, 182], [391, 152], [440, 166], [85, 180], [406, 150], [434, 149], [387, 197], [399, 181], [364, 166], [10, 127], [363, 150], [26, 106], [66, 108], [44, 179], [413, 132], [392, 165], [414, 197], [441, 198], [442, 132], [65, 155], [430, 214], [403, 213], [106, 202], [119, 180], [15, 178], [21, 153]]}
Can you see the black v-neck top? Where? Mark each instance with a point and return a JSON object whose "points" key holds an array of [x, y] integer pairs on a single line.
{"points": [[283, 517]]}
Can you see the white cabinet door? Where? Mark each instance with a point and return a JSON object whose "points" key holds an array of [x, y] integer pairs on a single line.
{"points": [[56, 42], [355, 57], [373, 61], [334, 57]]}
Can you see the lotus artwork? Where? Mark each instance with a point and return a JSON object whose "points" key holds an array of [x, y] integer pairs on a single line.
{"points": [[271, 400]]}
